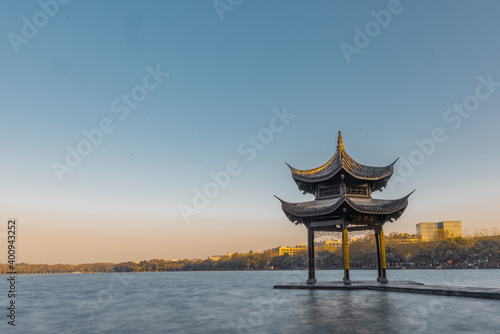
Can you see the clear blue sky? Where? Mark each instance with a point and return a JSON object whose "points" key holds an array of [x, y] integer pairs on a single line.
{"points": [[226, 76]]}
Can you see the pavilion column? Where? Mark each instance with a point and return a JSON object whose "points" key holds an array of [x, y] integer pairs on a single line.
{"points": [[383, 278], [379, 259], [345, 252], [310, 255]]}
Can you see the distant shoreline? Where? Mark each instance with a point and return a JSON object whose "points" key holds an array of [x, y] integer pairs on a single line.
{"points": [[449, 253], [218, 271]]}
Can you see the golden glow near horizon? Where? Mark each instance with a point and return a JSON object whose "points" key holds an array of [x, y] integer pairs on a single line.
{"points": [[87, 238]]}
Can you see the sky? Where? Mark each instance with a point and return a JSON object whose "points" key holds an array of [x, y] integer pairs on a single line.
{"points": [[134, 130]]}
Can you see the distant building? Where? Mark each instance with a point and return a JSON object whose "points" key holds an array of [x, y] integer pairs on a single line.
{"points": [[439, 230], [218, 257], [291, 250], [402, 238], [337, 244]]}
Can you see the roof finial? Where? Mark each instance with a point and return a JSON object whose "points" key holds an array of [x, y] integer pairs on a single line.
{"points": [[340, 142]]}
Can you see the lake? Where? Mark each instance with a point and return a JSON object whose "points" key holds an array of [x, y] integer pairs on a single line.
{"points": [[245, 302]]}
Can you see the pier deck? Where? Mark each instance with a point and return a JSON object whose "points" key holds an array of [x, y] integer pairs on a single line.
{"points": [[399, 286]]}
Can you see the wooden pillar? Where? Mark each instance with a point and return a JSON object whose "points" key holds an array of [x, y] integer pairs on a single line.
{"points": [[379, 259], [383, 278], [310, 256], [345, 252]]}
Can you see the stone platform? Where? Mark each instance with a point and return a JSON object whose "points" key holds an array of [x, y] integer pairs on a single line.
{"points": [[399, 286]]}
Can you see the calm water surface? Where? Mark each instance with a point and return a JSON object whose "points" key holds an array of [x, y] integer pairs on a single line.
{"points": [[244, 302]]}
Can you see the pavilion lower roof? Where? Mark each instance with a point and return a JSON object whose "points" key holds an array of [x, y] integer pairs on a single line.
{"points": [[325, 207]]}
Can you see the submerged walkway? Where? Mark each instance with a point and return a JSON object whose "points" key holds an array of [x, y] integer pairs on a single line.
{"points": [[400, 286]]}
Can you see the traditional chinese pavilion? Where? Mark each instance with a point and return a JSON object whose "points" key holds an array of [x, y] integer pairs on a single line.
{"points": [[343, 204]]}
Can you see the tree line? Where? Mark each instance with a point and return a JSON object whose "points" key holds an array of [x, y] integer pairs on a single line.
{"points": [[457, 252], [25, 268]]}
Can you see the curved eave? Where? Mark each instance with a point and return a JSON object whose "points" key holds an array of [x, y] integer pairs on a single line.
{"points": [[311, 208], [342, 161], [325, 207], [313, 171], [378, 206], [365, 172]]}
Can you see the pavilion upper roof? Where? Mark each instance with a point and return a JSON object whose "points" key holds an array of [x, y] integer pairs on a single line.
{"points": [[343, 161]]}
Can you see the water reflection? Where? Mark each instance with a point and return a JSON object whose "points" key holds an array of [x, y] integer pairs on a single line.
{"points": [[347, 312]]}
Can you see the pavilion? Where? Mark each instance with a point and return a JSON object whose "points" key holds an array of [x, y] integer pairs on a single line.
{"points": [[343, 204]]}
